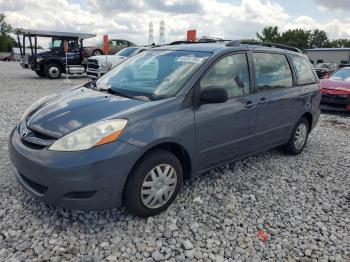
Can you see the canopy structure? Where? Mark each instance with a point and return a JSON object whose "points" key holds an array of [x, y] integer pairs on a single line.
{"points": [[42, 33], [32, 35]]}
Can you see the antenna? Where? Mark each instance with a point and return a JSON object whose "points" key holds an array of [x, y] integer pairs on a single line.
{"points": [[150, 34], [162, 32]]}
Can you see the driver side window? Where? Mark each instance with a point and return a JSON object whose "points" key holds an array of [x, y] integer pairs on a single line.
{"points": [[231, 73]]}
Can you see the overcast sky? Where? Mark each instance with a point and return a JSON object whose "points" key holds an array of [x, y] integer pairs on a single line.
{"points": [[129, 19]]}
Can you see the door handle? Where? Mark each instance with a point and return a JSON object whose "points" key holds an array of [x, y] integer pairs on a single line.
{"points": [[263, 100], [249, 104]]}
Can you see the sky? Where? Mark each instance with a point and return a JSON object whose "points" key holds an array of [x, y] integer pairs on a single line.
{"points": [[129, 19]]}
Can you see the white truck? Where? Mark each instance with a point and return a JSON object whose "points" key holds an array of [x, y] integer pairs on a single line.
{"points": [[97, 66]]}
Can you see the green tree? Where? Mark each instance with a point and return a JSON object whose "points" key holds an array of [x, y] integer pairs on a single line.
{"points": [[269, 34], [319, 39], [340, 43], [6, 40], [297, 37]]}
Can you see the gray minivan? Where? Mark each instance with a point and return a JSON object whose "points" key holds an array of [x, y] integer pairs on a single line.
{"points": [[162, 116]]}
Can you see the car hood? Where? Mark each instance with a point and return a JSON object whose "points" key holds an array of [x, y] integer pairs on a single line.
{"points": [[333, 84], [69, 111]]}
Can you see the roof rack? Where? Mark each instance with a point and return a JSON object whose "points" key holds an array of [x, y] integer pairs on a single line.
{"points": [[199, 41], [252, 42]]}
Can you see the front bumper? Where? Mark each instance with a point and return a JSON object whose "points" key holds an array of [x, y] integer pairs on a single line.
{"points": [[86, 180], [335, 103]]}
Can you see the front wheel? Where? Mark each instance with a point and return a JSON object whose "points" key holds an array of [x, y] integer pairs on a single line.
{"points": [[153, 184], [298, 138], [53, 71]]}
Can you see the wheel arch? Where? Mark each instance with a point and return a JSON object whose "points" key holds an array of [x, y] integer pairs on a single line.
{"points": [[177, 149], [96, 49], [55, 61], [309, 118]]}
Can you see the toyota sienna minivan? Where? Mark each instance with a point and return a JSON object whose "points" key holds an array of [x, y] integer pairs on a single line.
{"points": [[160, 117]]}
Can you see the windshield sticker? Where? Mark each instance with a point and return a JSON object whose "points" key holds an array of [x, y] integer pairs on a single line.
{"points": [[190, 59]]}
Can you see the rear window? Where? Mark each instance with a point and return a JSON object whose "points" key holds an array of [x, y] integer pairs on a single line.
{"points": [[272, 71], [304, 70]]}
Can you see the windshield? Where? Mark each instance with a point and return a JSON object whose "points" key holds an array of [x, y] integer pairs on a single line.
{"points": [[341, 75], [127, 51], [156, 74]]}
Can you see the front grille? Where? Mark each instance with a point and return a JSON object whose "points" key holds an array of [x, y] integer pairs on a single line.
{"points": [[92, 63], [37, 187], [34, 139], [92, 74]]}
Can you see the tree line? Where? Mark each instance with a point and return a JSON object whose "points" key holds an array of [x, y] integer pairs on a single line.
{"points": [[302, 39], [6, 40]]}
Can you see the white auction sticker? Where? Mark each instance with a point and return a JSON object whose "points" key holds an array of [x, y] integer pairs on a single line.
{"points": [[190, 59]]}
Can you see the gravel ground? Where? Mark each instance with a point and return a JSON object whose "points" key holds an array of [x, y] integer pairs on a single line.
{"points": [[302, 203]]}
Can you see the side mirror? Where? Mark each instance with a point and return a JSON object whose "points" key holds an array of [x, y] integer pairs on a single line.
{"points": [[212, 95]]}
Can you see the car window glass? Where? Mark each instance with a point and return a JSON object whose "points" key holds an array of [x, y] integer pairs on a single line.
{"points": [[72, 45], [112, 43], [231, 73], [56, 43], [123, 42], [304, 71], [272, 71], [341, 75]]}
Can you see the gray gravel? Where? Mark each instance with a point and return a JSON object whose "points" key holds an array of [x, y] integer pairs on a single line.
{"points": [[301, 202]]}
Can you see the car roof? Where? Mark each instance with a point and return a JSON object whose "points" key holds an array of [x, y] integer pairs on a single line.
{"points": [[221, 47]]}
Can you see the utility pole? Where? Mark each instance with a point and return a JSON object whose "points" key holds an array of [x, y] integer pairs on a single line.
{"points": [[150, 34]]}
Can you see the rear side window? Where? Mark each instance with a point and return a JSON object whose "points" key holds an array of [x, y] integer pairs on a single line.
{"points": [[231, 73], [304, 71], [272, 71]]}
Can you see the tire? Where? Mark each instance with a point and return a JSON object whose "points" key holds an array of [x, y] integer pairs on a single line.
{"points": [[137, 199], [97, 52], [301, 130], [53, 71], [40, 73]]}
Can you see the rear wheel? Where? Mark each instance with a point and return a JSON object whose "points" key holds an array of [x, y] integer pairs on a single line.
{"points": [[298, 138], [40, 73], [97, 52], [153, 184], [53, 71]]}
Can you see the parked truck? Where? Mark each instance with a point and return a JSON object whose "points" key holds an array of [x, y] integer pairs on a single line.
{"points": [[54, 61]]}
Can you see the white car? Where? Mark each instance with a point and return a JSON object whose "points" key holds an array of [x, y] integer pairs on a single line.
{"points": [[97, 66]]}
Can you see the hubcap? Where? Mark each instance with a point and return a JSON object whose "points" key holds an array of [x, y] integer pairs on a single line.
{"points": [[53, 71], [158, 186], [300, 136]]}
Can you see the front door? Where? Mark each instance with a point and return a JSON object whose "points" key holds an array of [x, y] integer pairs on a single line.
{"points": [[74, 54], [225, 131], [279, 100]]}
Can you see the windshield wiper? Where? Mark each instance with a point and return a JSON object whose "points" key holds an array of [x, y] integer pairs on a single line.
{"points": [[118, 93]]}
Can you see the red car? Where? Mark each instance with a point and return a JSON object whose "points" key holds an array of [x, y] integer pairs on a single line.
{"points": [[336, 91]]}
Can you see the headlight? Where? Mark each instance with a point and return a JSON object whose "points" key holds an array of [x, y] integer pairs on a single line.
{"points": [[39, 59], [92, 135], [34, 106]]}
